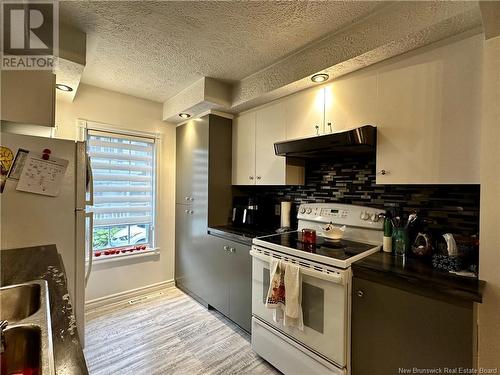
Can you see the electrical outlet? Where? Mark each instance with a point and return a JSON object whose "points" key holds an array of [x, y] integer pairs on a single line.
{"points": [[277, 209]]}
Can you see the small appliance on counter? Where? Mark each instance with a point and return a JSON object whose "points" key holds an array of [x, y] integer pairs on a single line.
{"points": [[251, 217], [457, 254], [254, 212]]}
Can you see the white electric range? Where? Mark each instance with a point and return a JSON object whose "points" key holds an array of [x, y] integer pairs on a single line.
{"points": [[324, 345]]}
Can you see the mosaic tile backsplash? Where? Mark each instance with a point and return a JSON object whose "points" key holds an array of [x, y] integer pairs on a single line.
{"points": [[445, 208]]}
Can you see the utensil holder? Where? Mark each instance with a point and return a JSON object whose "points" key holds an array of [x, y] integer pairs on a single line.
{"points": [[400, 241]]}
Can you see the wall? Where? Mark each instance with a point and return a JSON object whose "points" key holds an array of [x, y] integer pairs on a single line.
{"points": [[445, 208], [489, 311], [127, 112]]}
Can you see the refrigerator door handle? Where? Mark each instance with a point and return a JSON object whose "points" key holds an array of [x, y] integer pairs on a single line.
{"points": [[90, 216], [90, 183]]}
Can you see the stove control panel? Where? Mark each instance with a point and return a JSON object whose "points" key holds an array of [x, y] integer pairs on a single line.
{"points": [[343, 214], [334, 213]]}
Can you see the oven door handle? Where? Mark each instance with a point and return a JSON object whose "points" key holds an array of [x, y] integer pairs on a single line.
{"points": [[327, 276]]}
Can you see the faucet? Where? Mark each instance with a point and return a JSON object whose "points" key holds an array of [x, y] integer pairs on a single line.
{"points": [[3, 325]]}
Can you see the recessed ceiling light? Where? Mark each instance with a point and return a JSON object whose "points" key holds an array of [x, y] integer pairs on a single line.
{"points": [[322, 77], [184, 115], [62, 87]]}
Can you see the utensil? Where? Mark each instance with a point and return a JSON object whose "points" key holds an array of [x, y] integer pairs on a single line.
{"points": [[397, 222], [411, 219]]}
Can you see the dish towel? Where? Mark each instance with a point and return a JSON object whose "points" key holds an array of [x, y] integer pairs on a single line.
{"points": [[293, 289], [285, 293]]}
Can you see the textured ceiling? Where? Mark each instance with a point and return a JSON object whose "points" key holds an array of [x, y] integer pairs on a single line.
{"points": [[400, 27], [155, 49]]}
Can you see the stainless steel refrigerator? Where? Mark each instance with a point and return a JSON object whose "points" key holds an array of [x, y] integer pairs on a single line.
{"points": [[29, 219]]}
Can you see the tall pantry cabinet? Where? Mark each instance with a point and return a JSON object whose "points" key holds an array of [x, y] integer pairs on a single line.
{"points": [[203, 198]]}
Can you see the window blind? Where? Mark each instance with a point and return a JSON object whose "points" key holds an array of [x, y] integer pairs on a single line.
{"points": [[123, 171]]}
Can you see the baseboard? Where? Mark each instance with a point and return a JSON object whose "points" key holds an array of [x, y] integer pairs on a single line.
{"points": [[124, 297]]}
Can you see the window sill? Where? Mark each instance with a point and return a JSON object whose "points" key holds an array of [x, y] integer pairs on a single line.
{"points": [[122, 256]]}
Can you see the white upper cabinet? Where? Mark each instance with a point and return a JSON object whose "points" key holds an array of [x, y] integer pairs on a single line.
{"points": [[351, 102], [254, 160], [28, 96], [429, 116], [270, 128], [305, 111], [244, 149]]}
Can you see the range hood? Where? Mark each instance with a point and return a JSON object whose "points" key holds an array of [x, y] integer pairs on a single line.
{"points": [[355, 141]]}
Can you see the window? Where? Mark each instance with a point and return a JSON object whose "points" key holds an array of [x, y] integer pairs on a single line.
{"points": [[123, 169]]}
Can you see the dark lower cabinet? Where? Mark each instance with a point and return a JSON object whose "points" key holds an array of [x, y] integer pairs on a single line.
{"points": [[216, 267], [216, 271], [240, 286], [393, 329], [230, 280]]}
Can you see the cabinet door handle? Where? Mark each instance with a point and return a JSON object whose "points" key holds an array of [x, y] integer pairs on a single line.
{"points": [[226, 248], [258, 177], [360, 293], [317, 129], [232, 249], [189, 212], [186, 198], [383, 172], [250, 177]]}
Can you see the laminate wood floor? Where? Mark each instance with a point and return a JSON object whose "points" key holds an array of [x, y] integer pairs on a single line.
{"points": [[168, 334]]}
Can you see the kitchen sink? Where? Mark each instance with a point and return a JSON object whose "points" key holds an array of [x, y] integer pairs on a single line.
{"points": [[22, 350], [19, 302], [27, 335]]}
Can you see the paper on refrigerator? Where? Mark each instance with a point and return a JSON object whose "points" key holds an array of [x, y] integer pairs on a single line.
{"points": [[41, 176]]}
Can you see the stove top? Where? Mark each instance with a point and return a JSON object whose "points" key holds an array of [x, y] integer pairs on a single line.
{"points": [[342, 249], [362, 228], [339, 253]]}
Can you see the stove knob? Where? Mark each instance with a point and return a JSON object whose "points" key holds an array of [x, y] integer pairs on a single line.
{"points": [[302, 210], [374, 218], [308, 211], [364, 215]]}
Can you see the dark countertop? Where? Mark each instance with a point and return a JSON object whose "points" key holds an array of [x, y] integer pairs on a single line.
{"points": [[44, 262], [419, 277], [243, 235]]}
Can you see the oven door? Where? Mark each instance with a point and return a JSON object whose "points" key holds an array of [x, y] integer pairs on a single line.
{"points": [[324, 306]]}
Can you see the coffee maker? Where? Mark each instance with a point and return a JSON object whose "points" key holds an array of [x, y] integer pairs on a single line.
{"points": [[252, 212]]}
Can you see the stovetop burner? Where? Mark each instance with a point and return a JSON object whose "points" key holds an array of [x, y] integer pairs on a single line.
{"points": [[342, 249]]}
